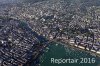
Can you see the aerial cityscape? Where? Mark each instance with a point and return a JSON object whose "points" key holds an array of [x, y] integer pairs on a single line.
{"points": [[34, 32]]}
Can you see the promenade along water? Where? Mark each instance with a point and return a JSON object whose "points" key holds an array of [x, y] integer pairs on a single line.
{"points": [[58, 52]]}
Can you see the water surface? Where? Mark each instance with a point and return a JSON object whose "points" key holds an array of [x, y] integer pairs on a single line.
{"points": [[59, 51]]}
